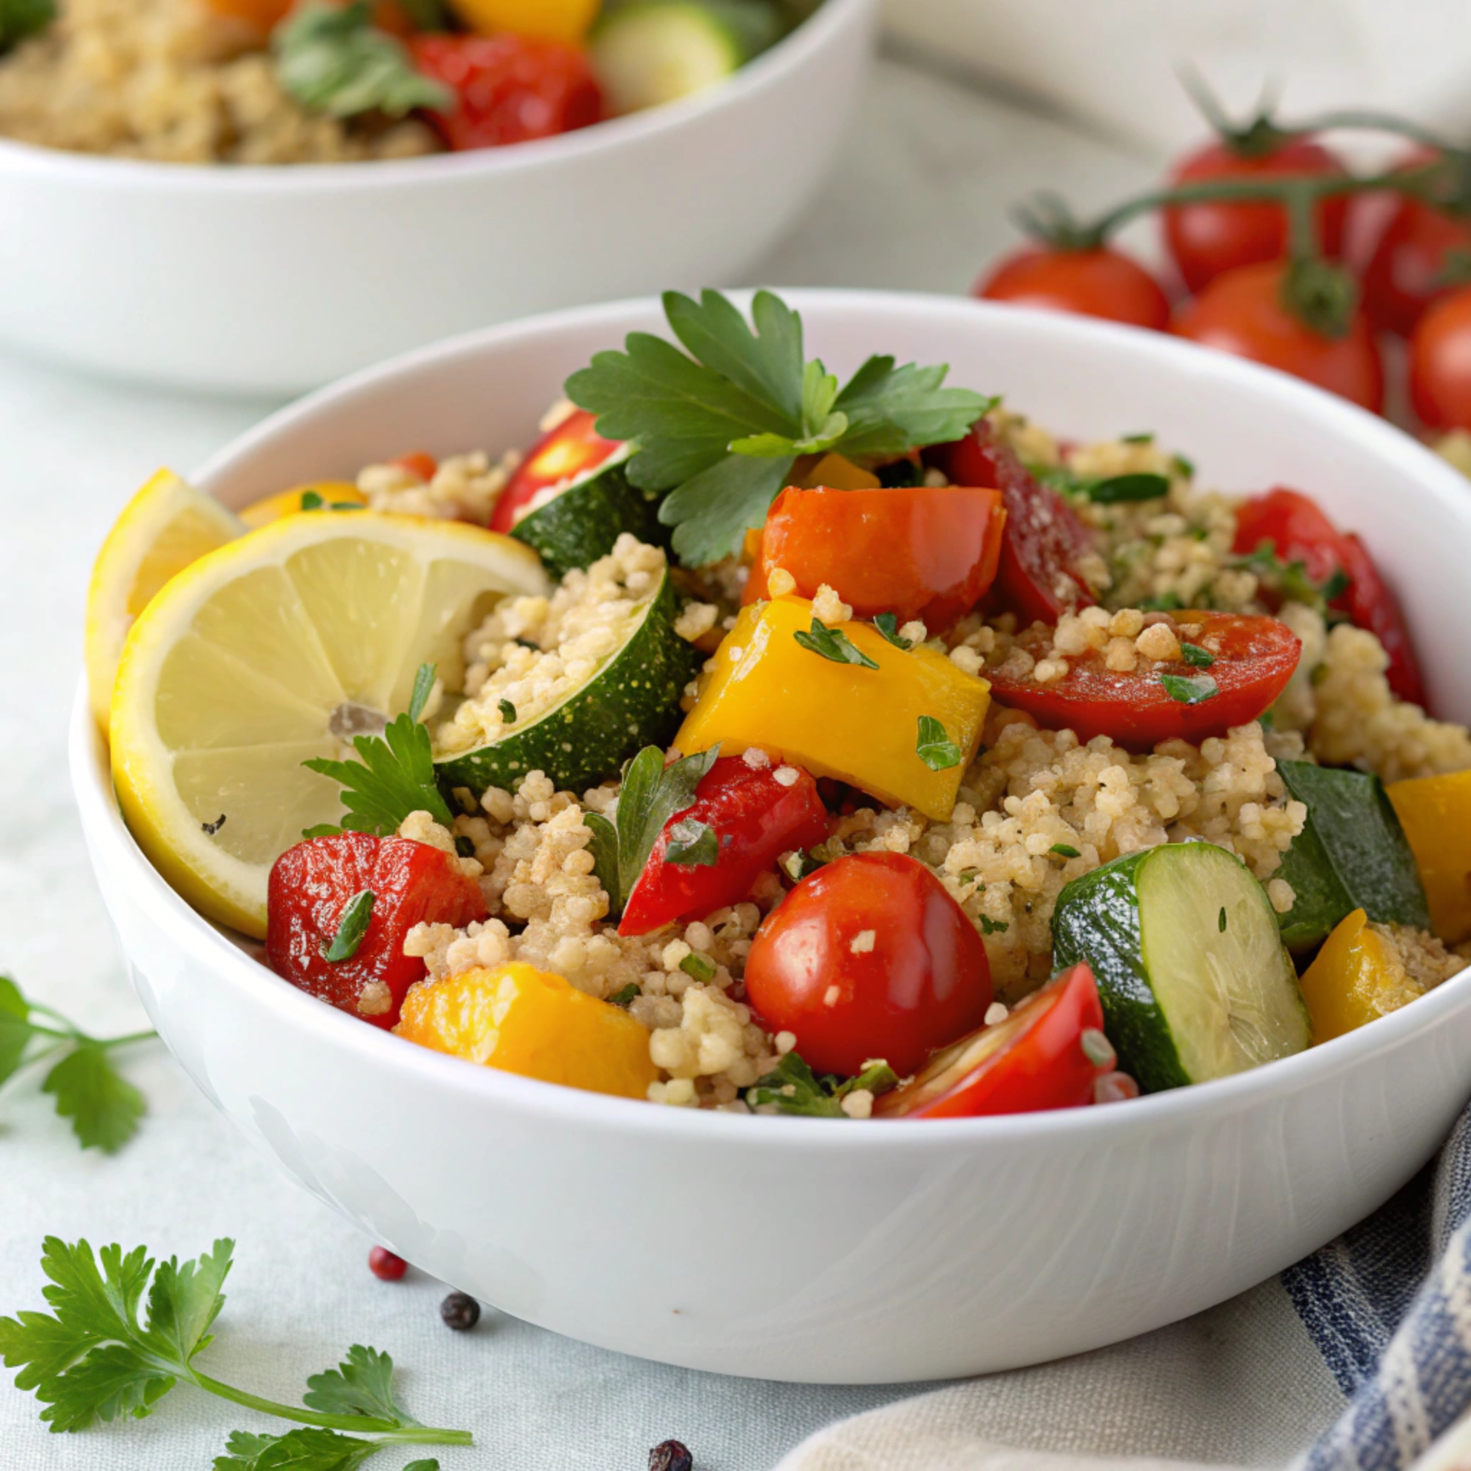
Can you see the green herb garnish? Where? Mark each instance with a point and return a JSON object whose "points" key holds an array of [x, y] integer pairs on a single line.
{"points": [[1291, 579], [392, 777], [793, 1087], [698, 967], [888, 625], [834, 644], [719, 426], [1196, 656], [1065, 850], [332, 59], [508, 711], [1166, 602], [357, 915], [1121, 489], [22, 18], [991, 926], [651, 793], [464, 848], [624, 994], [692, 844], [311, 500], [1144, 437], [1221, 920], [1182, 467], [934, 747], [1190, 689], [94, 1358]]}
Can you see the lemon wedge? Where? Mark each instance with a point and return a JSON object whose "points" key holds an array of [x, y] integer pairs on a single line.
{"points": [[274, 649], [330, 494], [164, 528]]}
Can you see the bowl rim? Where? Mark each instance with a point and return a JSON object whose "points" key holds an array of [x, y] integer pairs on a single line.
{"points": [[122, 862], [801, 46]]}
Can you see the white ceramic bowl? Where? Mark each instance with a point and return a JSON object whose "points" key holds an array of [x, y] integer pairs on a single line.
{"points": [[273, 280], [807, 1249]]}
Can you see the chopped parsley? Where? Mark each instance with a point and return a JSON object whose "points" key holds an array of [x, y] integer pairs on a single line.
{"points": [[991, 926], [698, 966], [311, 500], [1165, 602], [1195, 656], [834, 644], [793, 1087], [692, 844], [1190, 689], [1145, 437], [624, 995], [1221, 920], [888, 625], [934, 747], [1065, 850], [508, 711], [1182, 467], [1122, 489], [357, 914], [1290, 580]]}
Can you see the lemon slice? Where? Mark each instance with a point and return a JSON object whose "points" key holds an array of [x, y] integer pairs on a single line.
{"points": [[274, 649], [164, 528], [331, 494]]}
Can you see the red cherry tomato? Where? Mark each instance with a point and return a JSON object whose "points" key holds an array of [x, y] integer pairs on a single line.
{"points": [[1299, 532], [1036, 1059], [756, 819], [1440, 363], [1408, 267], [868, 958], [1094, 283], [419, 463], [1253, 658], [1037, 573], [1206, 240], [571, 448], [311, 886], [915, 551], [508, 88], [1242, 312]]}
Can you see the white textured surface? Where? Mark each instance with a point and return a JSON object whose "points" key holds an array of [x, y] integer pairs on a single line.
{"points": [[918, 202]]}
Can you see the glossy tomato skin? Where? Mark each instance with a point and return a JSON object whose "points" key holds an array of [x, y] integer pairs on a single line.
{"points": [[312, 883], [1037, 574], [1206, 240], [1407, 270], [1300, 532], [570, 448], [927, 552], [756, 818], [508, 88], [1242, 312], [1254, 659], [1033, 1060], [917, 979], [1092, 283], [1440, 363]]}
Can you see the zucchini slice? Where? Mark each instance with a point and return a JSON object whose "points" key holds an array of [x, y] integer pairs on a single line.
{"points": [[1193, 976], [630, 700], [1351, 854], [579, 522]]}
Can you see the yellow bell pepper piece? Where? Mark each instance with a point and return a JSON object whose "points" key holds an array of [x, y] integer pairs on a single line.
{"points": [[838, 472], [551, 20], [1356, 977], [843, 720], [522, 1020], [288, 502], [1435, 812]]}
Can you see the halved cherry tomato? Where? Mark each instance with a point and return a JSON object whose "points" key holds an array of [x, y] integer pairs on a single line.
{"points": [[1253, 658], [1300, 532], [869, 958], [1206, 240], [311, 886], [1242, 312], [755, 817], [420, 463], [571, 448], [509, 88], [1037, 575], [1035, 1059], [916, 551], [1093, 283]]}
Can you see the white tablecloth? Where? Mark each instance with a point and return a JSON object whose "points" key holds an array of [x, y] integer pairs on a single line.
{"points": [[918, 202]]}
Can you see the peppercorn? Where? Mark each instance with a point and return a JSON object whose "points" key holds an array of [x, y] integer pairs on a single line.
{"points": [[460, 1311], [385, 1266], [671, 1455]]}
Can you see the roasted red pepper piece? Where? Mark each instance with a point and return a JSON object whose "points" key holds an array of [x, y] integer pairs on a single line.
{"points": [[755, 817], [572, 447], [312, 885]]}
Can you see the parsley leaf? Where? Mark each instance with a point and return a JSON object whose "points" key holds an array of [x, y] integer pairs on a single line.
{"points": [[888, 625], [357, 914], [392, 777], [792, 1087], [1195, 656], [1190, 689], [1291, 579], [991, 926], [650, 795], [508, 711], [333, 59], [718, 426], [834, 644], [1064, 850], [624, 994], [698, 966], [692, 844], [305, 1449], [1121, 489], [934, 746], [362, 1384]]}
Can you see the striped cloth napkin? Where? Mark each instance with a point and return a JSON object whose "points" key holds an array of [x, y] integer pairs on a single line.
{"points": [[1381, 1319]]}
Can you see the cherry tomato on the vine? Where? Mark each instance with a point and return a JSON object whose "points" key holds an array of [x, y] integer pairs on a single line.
{"points": [[869, 958], [1206, 240], [1243, 312], [1094, 283]]}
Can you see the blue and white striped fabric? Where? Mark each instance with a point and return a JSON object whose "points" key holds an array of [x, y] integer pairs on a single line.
{"points": [[1389, 1307]]}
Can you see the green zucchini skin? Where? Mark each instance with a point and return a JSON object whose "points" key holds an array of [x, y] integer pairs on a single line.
{"points": [[631, 702], [1097, 921], [1351, 854], [581, 524]]}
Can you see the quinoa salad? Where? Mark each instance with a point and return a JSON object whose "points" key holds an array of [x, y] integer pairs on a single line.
{"points": [[882, 755]]}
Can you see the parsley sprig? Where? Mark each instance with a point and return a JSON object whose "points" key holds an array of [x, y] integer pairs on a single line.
{"points": [[392, 777], [934, 746], [103, 1107], [96, 1356], [719, 426], [792, 1087], [651, 793], [833, 644]]}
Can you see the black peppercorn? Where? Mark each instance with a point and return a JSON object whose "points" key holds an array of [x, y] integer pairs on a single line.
{"points": [[460, 1311], [671, 1455]]}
